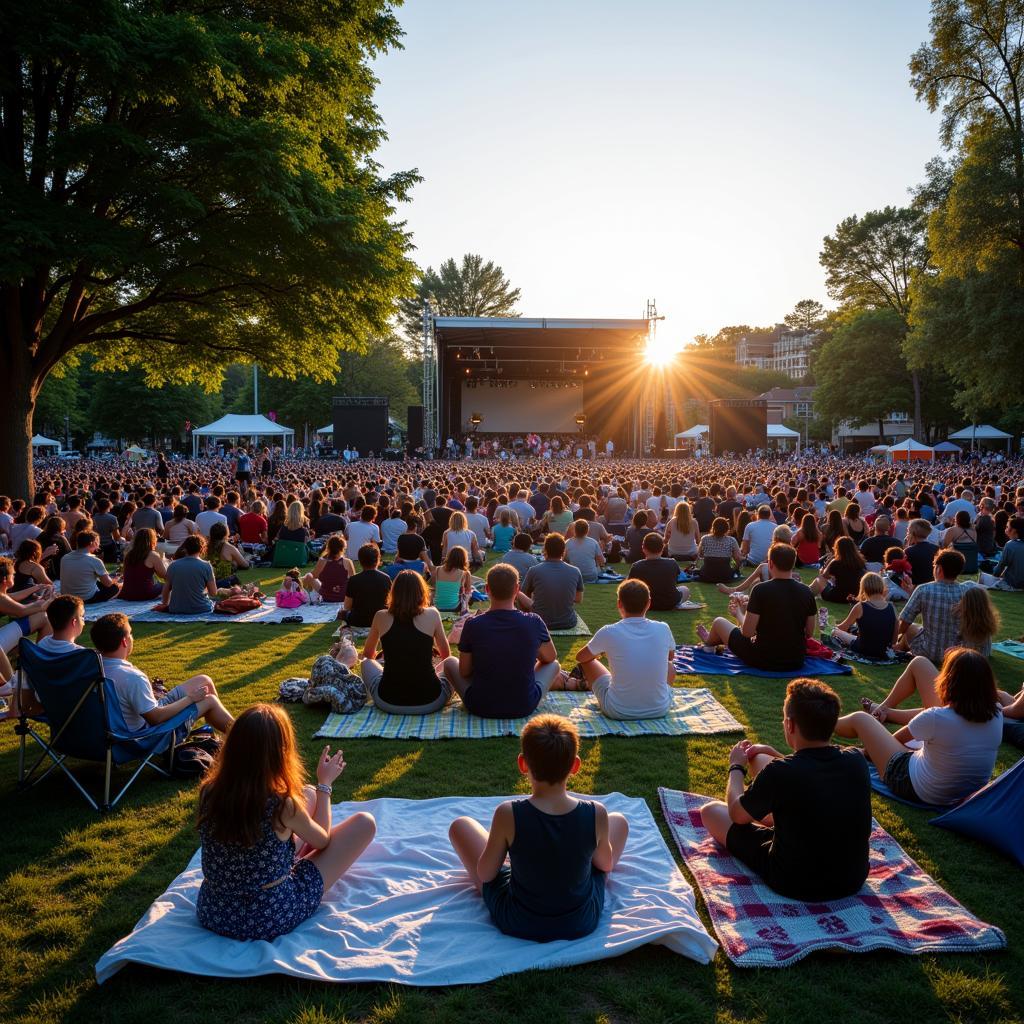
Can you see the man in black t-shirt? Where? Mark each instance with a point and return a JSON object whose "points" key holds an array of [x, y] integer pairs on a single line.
{"points": [[818, 801], [920, 552], [367, 591], [873, 548], [772, 632], [333, 521], [660, 574]]}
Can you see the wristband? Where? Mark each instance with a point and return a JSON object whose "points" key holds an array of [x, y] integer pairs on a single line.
{"points": [[322, 787], [738, 768]]}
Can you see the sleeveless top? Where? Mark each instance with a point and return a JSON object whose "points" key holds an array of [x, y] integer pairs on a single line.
{"points": [[503, 538], [22, 580], [552, 889], [333, 581], [139, 583], [874, 629], [409, 679], [259, 891], [446, 595], [809, 551], [681, 545]]}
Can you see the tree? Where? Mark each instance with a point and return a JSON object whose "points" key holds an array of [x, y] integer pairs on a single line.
{"points": [[302, 403], [861, 373], [807, 316], [189, 185], [870, 262], [469, 288], [969, 316]]}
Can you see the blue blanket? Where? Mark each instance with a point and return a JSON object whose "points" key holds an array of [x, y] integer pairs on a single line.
{"points": [[880, 787], [690, 660]]}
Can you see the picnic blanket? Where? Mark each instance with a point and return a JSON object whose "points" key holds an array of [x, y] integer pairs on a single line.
{"points": [[1014, 648], [694, 712], [899, 907], [406, 912], [693, 660], [580, 629], [609, 576], [269, 614], [883, 790], [893, 657]]}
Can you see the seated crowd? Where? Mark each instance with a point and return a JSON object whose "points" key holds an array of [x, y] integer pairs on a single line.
{"points": [[270, 850]]}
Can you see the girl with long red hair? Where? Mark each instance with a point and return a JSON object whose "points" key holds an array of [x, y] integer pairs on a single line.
{"points": [[269, 849]]}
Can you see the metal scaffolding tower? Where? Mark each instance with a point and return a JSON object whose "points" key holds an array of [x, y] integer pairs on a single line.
{"points": [[430, 384]]}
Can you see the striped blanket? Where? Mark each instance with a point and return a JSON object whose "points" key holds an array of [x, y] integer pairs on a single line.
{"points": [[695, 712], [899, 907]]}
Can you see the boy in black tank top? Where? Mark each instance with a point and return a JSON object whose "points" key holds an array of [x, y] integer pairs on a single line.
{"points": [[560, 848]]}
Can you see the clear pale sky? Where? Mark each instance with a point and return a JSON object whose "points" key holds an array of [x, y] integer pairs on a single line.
{"points": [[604, 152]]}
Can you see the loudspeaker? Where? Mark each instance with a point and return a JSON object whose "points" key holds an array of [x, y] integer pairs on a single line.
{"points": [[361, 423], [738, 424], [414, 428]]}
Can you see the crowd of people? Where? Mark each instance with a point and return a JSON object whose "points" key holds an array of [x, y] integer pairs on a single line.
{"points": [[871, 537]]}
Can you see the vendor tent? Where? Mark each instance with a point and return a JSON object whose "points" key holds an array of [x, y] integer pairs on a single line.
{"points": [[878, 449], [982, 432], [44, 442], [135, 453], [693, 433], [780, 432], [947, 448], [910, 451], [235, 426]]}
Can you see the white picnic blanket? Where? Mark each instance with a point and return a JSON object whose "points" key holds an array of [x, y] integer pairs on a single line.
{"points": [[142, 611], [406, 912]]}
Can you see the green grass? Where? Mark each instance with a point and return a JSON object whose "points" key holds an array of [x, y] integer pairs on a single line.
{"points": [[72, 881]]}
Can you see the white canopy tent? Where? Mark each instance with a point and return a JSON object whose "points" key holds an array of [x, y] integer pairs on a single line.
{"points": [[45, 442], [235, 426], [982, 432], [693, 433], [780, 432]]}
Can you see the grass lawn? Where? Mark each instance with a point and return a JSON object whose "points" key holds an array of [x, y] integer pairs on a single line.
{"points": [[72, 881]]}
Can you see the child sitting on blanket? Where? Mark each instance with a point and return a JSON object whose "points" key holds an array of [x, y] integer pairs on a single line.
{"points": [[292, 594], [804, 821], [875, 618], [898, 574], [559, 847], [269, 849]]}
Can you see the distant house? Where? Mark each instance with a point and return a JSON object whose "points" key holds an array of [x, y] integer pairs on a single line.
{"points": [[780, 349], [897, 426], [789, 403]]}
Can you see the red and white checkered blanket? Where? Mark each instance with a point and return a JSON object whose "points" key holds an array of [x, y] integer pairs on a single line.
{"points": [[900, 907]]}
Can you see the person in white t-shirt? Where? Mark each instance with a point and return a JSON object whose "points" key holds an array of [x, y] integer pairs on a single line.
{"points": [[363, 530], [640, 652], [757, 536], [478, 523], [865, 497], [960, 727], [211, 515], [965, 503]]}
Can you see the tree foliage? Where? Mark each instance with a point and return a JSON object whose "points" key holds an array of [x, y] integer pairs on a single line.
{"points": [[968, 317], [861, 373], [471, 287], [185, 185], [806, 315]]}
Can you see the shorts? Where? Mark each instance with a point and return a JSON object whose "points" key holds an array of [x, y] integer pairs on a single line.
{"points": [[751, 845], [513, 919], [600, 689], [13, 631], [897, 776], [182, 731], [745, 648]]}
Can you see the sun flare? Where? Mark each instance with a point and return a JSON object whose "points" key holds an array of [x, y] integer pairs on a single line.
{"points": [[660, 352]]}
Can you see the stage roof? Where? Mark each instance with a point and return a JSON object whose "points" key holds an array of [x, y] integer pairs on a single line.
{"points": [[516, 331]]}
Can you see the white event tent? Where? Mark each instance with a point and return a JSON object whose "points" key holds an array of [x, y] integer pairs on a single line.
{"points": [[982, 432], [235, 426], [44, 442], [776, 432]]}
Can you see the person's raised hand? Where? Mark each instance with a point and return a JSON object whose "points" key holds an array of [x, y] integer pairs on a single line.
{"points": [[740, 754], [329, 767], [198, 692]]}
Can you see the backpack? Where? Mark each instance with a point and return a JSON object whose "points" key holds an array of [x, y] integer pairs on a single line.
{"points": [[194, 758], [332, 683]]}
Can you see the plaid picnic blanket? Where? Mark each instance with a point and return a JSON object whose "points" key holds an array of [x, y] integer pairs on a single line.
{"points": [[580, 629], [695, 712], [899, 907]]}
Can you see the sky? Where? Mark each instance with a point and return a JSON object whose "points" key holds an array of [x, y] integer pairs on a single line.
{"points": [[695, 152]]}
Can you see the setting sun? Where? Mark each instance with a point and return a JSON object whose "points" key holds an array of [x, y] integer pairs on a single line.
{"points": [[661, 351]]}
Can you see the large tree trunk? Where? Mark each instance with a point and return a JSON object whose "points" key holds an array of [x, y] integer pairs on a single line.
{"points": [[16, 436], [915, 380]]}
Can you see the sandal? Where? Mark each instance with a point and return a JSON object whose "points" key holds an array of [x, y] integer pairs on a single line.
{"points": [[878, 711]]}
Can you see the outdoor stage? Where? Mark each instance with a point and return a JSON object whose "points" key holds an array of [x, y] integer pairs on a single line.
{"points": [[518, 376]]}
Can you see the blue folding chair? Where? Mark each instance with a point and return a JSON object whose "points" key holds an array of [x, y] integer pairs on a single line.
{"points": [[85, 722]]}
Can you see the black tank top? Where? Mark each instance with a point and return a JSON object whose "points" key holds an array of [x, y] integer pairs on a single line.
{"points": [[409, 679]]}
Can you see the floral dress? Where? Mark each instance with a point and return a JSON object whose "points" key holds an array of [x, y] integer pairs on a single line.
{"points": [[259, 891]]}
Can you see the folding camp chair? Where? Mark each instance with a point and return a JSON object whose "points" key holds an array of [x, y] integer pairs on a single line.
{"points": [[289, 553], [85, 722]]}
